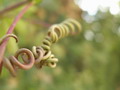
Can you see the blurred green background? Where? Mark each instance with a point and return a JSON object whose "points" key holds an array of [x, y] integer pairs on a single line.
{"points": [[87, 61]]}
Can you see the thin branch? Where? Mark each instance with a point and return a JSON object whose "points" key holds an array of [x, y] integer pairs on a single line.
{"points": [[9, 8], [10, 30]]}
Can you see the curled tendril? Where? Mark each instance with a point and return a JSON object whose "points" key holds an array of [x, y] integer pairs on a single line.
{"points": [[12, 62], [7, 36], [41, 55], [55, 32]]}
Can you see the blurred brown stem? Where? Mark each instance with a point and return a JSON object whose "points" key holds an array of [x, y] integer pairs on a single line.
{"points": [[37, 22], [12, 7]]}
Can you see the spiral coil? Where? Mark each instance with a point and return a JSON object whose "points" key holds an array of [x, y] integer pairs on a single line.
{"points": [[41, 55]]}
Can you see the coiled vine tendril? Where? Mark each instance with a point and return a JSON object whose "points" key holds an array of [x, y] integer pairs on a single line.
{"points": [[40, 55], [8, 35]]}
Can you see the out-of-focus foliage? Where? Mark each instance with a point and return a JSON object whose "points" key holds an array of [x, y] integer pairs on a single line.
{"points": [[87, 61]]}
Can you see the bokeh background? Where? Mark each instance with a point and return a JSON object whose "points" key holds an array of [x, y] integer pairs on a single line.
{"points": [[87, 61]]}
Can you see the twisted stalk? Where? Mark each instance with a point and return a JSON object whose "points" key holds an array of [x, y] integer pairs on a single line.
{"points": [[41, 55]]}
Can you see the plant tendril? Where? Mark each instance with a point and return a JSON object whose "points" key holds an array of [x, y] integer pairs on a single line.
{"points": [[40, 55], [7, 36]]}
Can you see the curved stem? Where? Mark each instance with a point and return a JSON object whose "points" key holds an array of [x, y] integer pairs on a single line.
{"points": [[10, 30]]}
